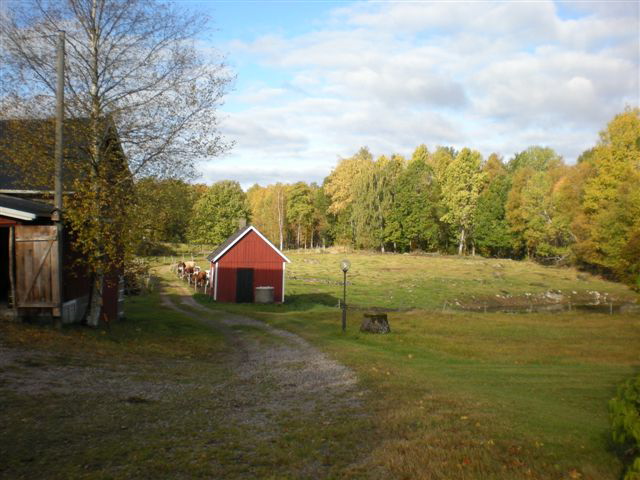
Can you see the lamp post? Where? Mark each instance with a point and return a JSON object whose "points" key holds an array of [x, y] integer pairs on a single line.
{"points": [[344, 265]]}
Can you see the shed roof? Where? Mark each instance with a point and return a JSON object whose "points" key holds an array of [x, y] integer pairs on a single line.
{"points": [[225, 246], [29, 137], [33, 139], [22, 209]]}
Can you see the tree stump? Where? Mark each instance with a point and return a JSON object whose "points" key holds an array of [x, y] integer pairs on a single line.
{"points": [[375, 323]]}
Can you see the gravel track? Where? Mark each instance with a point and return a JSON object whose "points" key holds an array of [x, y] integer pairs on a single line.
{"points": [[279, 369], [267, 387]]}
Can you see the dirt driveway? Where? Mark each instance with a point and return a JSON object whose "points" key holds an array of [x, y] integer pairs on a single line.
{"points": [[275, 372], [270, 406]]}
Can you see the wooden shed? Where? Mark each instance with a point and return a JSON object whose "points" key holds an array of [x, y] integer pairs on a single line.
{"points": [[34, 281], [245, 261]]}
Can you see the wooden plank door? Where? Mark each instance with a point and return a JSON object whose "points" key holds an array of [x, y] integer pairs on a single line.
{"points": [[244, 285], [37, 263]]}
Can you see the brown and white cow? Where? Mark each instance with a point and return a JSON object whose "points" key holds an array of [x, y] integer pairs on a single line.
{"points": [[200, 279]]}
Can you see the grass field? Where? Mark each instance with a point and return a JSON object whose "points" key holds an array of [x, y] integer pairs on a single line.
{"points": [[453, 394], [471, 395], [431, 282], [427, 282]]}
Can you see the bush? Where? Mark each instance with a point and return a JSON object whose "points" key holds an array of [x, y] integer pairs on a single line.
{"points": [[624, 411], [148, 248], [136, 277]]}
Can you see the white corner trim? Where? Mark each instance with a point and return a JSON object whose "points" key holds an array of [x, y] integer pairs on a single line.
{"points": [[211, 279], [284, 265], [20, 215], [254, 229], [215, 283]]}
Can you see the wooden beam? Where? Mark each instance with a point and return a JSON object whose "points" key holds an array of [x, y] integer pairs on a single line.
{"points": [[12, 280], [53, 305]]}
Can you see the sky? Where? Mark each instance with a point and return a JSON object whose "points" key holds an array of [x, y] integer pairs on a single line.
{"points": [[315, 81]]}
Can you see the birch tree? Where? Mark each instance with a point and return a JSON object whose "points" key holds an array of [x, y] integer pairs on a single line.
{"points": [[461, 187], [268, 210], [300, 210], [131, 69]]}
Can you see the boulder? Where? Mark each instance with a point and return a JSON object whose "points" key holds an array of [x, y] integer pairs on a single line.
{"points": [[375, 323]]}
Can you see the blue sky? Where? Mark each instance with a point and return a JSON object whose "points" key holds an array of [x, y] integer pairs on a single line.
{"points": [[318, 80]]}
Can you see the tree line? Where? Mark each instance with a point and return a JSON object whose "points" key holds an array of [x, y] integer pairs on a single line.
{"points": [[532, 205]]}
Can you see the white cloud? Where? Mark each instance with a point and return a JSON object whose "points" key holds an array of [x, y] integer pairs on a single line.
{"points": [[248, 175], [497, 76], [260, 95]]}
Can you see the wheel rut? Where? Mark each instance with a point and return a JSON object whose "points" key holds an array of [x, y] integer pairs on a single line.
{"points": [[275, 374]]}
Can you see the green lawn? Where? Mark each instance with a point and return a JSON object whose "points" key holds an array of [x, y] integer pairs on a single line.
{"points": [[453, 395], [471, 395], [431, 282]]}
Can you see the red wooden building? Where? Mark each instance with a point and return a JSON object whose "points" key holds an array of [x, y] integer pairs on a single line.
{"points": [[30, 284], [244, 262], [29, 266]]}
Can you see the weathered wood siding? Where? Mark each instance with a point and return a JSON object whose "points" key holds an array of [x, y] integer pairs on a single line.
{"points": [[250, 252]]}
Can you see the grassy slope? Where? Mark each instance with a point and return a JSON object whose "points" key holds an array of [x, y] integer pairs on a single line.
{"points": [[481, 395], [403, 281]]}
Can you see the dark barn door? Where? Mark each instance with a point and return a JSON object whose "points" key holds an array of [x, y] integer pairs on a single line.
{"points": [[244, 285]]}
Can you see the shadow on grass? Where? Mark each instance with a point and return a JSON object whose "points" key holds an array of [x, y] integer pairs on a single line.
{"points": [[310, 300], [301, 302]]}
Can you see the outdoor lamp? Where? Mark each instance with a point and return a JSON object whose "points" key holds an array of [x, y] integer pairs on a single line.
{"points": [[344, 265]]}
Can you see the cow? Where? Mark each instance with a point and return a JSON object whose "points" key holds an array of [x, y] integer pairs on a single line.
{"points": [[180, 269], [188, 272], [200, 278]]}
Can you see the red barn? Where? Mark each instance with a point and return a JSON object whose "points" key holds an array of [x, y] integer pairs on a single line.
{"points": [[245, 261]]}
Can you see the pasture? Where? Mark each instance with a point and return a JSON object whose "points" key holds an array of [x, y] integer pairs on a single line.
{"points": [[432, 282], [448, 394], [471, 395]]}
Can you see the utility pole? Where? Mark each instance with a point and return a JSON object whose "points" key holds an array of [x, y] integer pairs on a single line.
{"points": [[59, 153]]}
